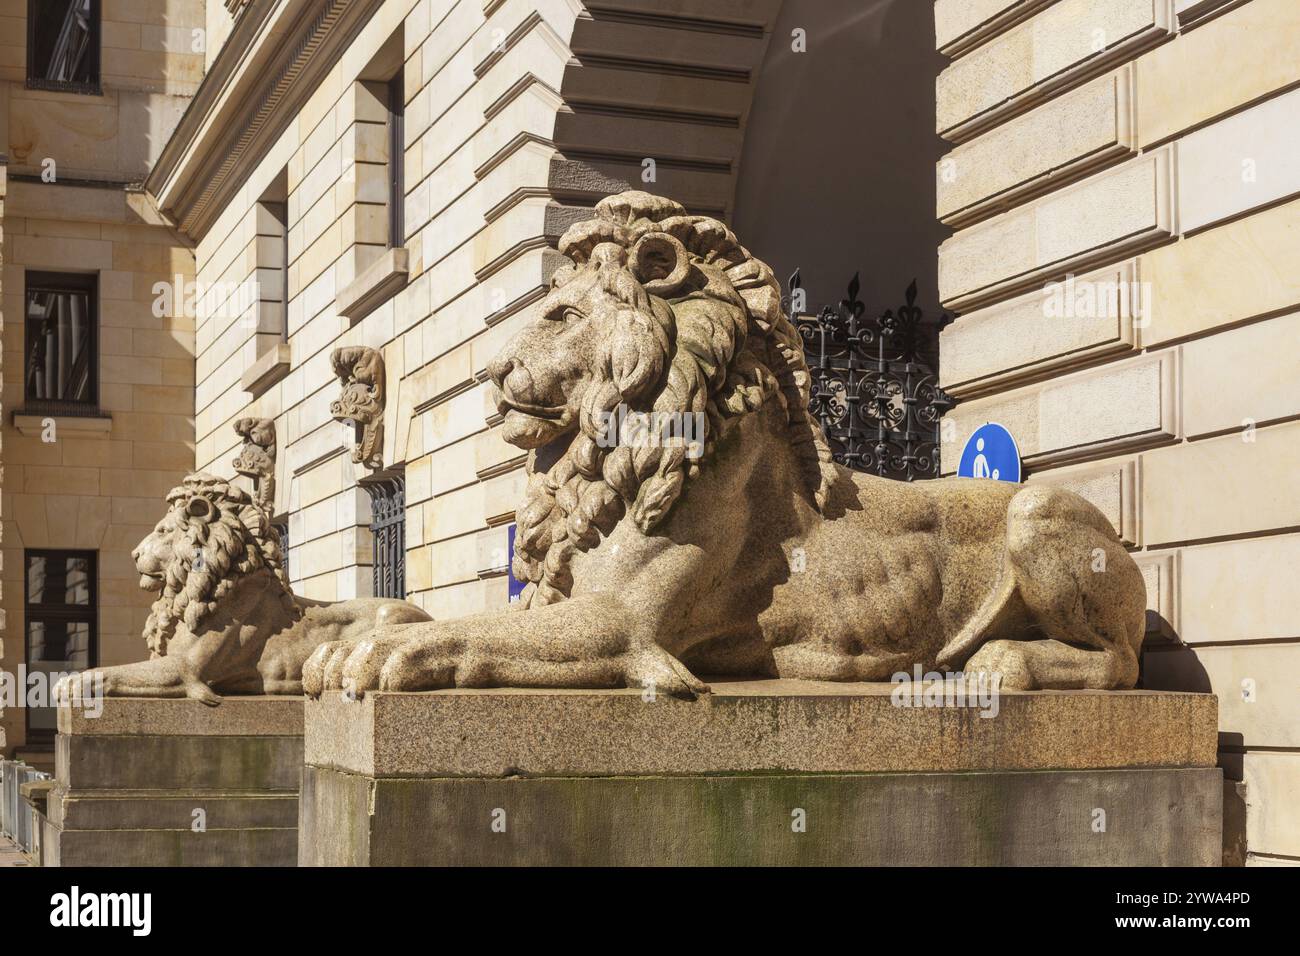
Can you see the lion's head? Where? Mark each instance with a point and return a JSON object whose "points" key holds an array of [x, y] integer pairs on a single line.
{"points": [[212, 535], [661, 314]]}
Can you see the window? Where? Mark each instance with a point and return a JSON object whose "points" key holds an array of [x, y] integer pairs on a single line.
{"points": [[63, 45], [62, 361], [388, 531], [396, 161], [60, 611]]}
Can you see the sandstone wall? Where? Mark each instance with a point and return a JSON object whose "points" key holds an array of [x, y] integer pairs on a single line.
{"points": [[1146, 149], [97, 486]]}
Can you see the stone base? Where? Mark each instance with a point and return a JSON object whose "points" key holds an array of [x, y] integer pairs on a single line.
{"points": [[760, 773], [128, 784]]}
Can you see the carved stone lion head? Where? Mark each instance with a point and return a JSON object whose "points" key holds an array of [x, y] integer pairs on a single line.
{"points": [[211, 536], [666, 315]]}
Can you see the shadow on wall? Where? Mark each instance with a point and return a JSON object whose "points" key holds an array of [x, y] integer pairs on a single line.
{"points": [[837, 172]]}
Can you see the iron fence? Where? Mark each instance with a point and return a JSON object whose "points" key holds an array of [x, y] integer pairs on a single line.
{"points": [[875, 383]]}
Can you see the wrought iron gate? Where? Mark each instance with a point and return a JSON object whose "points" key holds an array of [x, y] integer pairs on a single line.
{"points": [[875, 383], [388, 531]]}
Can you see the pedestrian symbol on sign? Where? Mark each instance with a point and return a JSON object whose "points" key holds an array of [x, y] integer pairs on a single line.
{"points": [[990, 452]]}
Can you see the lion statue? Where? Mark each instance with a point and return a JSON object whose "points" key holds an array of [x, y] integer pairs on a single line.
{"points": [[225, 620], [736, 547]]}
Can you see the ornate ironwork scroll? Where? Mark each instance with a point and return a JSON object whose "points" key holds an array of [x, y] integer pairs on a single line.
{"points": [[875, 383]]}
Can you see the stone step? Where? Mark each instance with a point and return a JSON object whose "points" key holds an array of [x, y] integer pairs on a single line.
{"points": [[168, 810], [275, 846]]}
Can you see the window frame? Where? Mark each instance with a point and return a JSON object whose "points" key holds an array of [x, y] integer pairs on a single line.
{"points": [[92, 87], [87, 613], [50, 281]]}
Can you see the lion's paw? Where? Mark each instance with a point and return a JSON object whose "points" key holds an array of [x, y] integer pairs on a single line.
{"points": [[1005, 661], [324, 666], [655, 669]]}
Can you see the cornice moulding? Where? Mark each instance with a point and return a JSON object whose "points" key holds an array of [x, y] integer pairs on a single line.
{"points": [[275, 57]]}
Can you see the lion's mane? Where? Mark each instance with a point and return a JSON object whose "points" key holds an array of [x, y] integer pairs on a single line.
{"points": [[211, 551], [712, 367]]}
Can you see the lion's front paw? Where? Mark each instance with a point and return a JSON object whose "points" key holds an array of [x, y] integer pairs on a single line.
{"points": [[430, 663], [325, 665], [350, 666], [654, 668]]}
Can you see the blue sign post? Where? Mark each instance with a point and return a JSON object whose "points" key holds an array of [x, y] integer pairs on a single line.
{"points": [[990, 452]]}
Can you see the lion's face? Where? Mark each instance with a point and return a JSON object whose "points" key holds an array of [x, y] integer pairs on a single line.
{"points": [[544, 373], [211, 537], [604, 336], [156, 553]]}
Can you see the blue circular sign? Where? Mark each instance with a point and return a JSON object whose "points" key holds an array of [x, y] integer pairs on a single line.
{"points": [[990, 452]]}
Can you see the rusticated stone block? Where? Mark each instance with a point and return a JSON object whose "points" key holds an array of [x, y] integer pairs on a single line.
{"points": [[1272, 782], [1241, 378], [1240, 590], [1224, 275], [1101, 219], [1222, 486], [1239, 163], [1087, 414], [1253, 50], [1044, 149], [1067, 41], [1044, 331], [1255, 685], [962, 24]]}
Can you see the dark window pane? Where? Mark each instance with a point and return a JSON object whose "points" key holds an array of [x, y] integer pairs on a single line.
{"points": [[58, 645], [396, 161], [57, 579], [60, 339], [64, 42], [60, 615]]}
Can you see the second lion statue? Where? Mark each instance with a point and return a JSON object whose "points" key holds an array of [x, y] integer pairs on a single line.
{"points": [[745, 551], [226, 620]]}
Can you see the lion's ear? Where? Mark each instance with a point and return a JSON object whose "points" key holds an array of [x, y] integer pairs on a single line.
{"points": [[200, 507], [660, 263]]}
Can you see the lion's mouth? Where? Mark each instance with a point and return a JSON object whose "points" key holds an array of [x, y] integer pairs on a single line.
{"points": [[151, 582], [506, 404]]}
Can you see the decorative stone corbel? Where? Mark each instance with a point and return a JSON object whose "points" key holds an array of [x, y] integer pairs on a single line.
{"points": [[361, 370], [257, 458]]}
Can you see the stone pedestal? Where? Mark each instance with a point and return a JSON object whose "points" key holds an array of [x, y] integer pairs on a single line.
{"points": [[130, 782], [763, 772]]}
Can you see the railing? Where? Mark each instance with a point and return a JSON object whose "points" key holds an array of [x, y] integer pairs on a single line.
{"points": [[16, 816], [875, 383]]}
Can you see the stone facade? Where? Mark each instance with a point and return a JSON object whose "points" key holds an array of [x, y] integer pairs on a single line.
{"points": [[1122, 189], [75, 161]]}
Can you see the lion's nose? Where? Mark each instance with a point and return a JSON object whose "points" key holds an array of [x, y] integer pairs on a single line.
{"points": [[499, 368]]}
